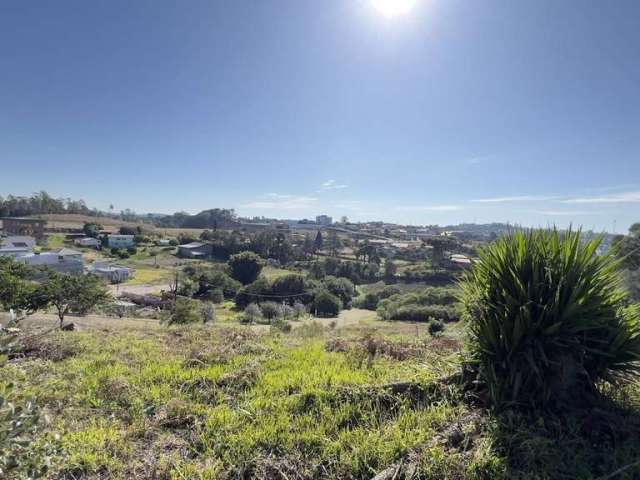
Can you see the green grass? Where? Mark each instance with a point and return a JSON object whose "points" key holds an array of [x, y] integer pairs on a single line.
{"points": [[144, 276], [215, 402]]}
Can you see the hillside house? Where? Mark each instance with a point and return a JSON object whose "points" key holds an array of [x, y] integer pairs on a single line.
{"points": [[88, 242], [64, 260], [111, 273], [18, 241], [120, 241], [194, 250]]}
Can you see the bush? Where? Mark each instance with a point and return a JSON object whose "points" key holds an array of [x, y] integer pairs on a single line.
{"points": [[132, 250], [436, 327], [184, 311], [299, 310], [187, 287], [216, 295], [326, 304], [251, 314], [547, 319], [207, 312], [281, 324], [270, 310]]}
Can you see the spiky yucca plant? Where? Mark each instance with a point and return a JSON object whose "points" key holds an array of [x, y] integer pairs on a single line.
{"points": [[548, 319]]}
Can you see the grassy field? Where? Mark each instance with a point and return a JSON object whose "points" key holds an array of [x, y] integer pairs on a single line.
{"points": [[134, 399]]}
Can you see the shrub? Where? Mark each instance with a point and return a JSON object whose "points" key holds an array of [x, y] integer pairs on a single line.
{"points": [[270, 310], [184, 310], [187, 287], [207, 312], [281, 324], [251, 314], [326, 304], [547, 320], [369, 301], [299, 310], [132, 250], [436, 327], [216, 295]]}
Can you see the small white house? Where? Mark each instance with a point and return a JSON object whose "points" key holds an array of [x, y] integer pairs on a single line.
{"points": [[64, 260], [111, 273], [194, 250], [14, 252], [120, 241], [18, 241], [88, 242]]}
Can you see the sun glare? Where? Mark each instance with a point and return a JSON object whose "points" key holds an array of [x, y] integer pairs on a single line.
{"points": [[393, 8]]}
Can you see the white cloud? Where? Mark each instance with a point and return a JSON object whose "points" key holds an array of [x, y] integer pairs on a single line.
{"points": [[429, 208], [284, 202], [332, 185], [624, 197], [520, 198]]}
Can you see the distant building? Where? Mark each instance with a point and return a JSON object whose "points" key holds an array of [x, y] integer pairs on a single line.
{"points": [[111, 273], [21, 241], [64, 260], [88, 242], [120, 241], [14, 252], [460, 260], [194, 250], [324, 220], [33, 227]]}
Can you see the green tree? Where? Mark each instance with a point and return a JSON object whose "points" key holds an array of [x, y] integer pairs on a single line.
{"points": [[326, 304], [390, 270], [245, 267], [547, 319], [77, 293], [92, 229], [17, 292], [317, 244]]}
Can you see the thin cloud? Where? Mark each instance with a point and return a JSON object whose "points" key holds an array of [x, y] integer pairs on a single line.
{"points": [[625, 197], [284, 202], [519, 198], [429, 208], [565, 213], [332, 185]]}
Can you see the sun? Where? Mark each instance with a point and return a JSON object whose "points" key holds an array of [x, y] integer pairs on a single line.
{"points": [[393, 8]]}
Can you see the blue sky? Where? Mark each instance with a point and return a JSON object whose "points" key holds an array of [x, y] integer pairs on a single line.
{"points": [[456, 111]]}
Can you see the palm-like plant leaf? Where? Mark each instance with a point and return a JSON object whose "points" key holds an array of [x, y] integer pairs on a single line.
{"points": [[547, 318]]}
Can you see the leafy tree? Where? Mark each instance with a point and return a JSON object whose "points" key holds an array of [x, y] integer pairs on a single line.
{"points": [[317, 244], [291, 288], [260, 289], [547, 319], [343, 288], [436, 327], [390, 270], [17, 292], [77, 293], [92, 229], [245, 267], [326, 304]]}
